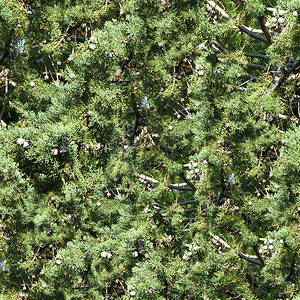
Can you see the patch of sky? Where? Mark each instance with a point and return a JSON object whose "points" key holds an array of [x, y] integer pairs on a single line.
{"points": [[2, 265], [231, 178], [20, 45], [145, 102]]}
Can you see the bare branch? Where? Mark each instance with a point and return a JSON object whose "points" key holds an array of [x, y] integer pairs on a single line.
{"points": [[220, 47], [187, 210], [2, 113], [52, 73], [147, 178], [250, 65], [250, 76], [6, 49], [293, 119], [264, 29], [292, 268], [248, 258], [257, 55], [83, 277], [61, 39], [215, 237], [286, 75], [260, 258], [164, 4], [252, 34], [182, 175], [219, 9], [179, 186], [160, 205], [188, 202], [120, 71], [256, 66]]}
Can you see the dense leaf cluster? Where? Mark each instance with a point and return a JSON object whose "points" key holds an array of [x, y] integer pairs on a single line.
{"points": [[149, 149]]}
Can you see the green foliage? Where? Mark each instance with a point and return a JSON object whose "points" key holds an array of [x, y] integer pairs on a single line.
{"points": [[149, 149]]}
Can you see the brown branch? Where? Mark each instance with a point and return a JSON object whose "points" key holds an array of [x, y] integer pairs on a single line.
{"points": [[182, 175], [82, 278], [174, 291], [4, 73], [238, 88], [260, 258], [164, 5], [257, 55], [220, 47], [293, 119], [52, 73], [250, 65], [264, 29], [147, 178], [241, 255], [256, 66], [246, 257], [179, 186], [188, 202], [292, 268], [61, 39], [187, 210], [219, 9], [250, 76], [120, 71], [286, 75], [252, 34], [215, 237], [160, 205], [7, 47], [2, 113]]}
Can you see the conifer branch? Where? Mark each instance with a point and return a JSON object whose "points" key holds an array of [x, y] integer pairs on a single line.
{"points": [[82, 278], [260, 258], [164, 5], [264, 29], [249, 31], [188, 202], [7, 44], [250, 65], [292, 268], [285, 75], [179, 186], [257, 55], [241, 255], [284, 117], [182, 175], [246, 257], [219, 9], [252, 34], [61, 39], [256, 66], [218, 239], [120, 71]]}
